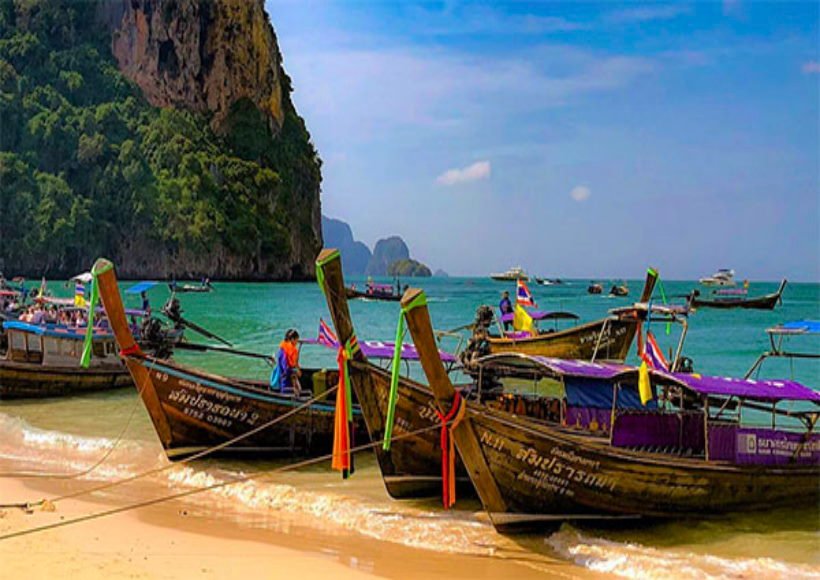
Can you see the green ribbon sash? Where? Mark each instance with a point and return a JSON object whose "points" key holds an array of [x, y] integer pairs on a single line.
{"points": [[420, 300]]}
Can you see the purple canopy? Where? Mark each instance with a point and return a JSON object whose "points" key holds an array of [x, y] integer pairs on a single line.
{"points": [[770, 390], [561, 367], [377, 349]]}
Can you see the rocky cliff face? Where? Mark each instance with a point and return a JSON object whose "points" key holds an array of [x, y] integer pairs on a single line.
{"points": [[203, 55], [220, 58]]}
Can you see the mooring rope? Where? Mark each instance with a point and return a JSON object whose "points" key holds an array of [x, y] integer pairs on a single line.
{"points": [[198, 455], [241, 479]]}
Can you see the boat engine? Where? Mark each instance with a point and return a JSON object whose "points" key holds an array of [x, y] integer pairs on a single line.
{"points": [[477, 345], [154, 338]]}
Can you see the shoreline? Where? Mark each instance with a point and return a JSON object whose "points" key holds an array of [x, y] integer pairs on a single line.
{"points": [[177, 539]]}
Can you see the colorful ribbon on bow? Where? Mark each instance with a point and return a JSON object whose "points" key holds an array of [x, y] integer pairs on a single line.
{"points": [[420, 300], [448, 450], [88, 343], [343, 432], [320, 274]]}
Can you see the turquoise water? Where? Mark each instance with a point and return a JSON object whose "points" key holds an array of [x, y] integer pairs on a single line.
{"points": [[69, 434]]}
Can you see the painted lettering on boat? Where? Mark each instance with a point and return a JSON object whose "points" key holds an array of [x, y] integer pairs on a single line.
{"points": [[492, 441], [562, 470], [198, 406], [609, 336]]}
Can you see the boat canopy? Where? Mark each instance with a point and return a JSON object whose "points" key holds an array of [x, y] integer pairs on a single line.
{"points": [[796, 327], [141, 287], [556, 367], [381, 350], [768, 390], [85, 278], [542, 315], [760, 390], [55, 330], [381, 287]]}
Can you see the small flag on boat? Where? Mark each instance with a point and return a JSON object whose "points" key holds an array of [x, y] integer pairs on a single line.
{"points": [[644, 384], [653, 355], [523, 296], [523, 321], [326, 335]]}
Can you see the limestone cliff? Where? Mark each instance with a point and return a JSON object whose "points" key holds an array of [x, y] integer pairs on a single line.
{"points": [[203, 55]]}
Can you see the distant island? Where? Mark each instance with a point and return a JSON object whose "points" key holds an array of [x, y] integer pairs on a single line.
{"points": [[389, 255], [408, 269]]}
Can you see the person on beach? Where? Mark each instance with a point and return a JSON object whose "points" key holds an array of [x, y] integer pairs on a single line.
{"points": [[506, 307], [286, 373]]}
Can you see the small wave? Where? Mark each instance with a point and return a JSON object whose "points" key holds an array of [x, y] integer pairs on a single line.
{"points": [[24, 447], [633, 560], [394, 522]]}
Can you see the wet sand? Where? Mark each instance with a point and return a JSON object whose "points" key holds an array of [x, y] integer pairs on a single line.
{"points": [[177, 539]]}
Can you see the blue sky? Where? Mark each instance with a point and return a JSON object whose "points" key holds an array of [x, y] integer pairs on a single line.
{"points": [[574, 139]]}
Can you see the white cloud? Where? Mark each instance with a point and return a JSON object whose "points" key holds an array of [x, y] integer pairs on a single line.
{"points": [[580, 193], [474, 172], [811, 67]]}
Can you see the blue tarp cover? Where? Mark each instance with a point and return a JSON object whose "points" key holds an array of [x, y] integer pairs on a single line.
{"points": [[585, 392], [141, 287]]}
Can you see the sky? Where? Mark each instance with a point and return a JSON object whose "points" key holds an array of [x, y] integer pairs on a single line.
{"points": [[573, 139]]}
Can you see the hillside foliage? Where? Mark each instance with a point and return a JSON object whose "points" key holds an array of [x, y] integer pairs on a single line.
{"points": [[87, 164]]}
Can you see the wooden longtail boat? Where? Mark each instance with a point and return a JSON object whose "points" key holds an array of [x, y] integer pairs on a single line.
{"points": [[412, 466], [691, 458], [607, 339], [765, 302], [193, 410], [374, 294], [44, 361]]}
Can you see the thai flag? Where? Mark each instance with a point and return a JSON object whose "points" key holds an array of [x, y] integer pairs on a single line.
{"points": [[79, 289], [523, 295], [652, 354], [326, 335]]}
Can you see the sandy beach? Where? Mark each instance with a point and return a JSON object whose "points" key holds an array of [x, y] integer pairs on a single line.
{"points": [[177, 540]]}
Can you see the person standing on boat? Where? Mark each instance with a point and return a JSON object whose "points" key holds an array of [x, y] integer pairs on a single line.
{"points": [[286, 373], [506, 307]]}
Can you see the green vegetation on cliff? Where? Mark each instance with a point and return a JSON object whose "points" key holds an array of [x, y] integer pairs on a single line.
{"points": [[88, 167]]}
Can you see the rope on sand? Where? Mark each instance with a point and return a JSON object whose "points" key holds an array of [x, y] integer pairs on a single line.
{"points": [[241, 479], [28, 506]]}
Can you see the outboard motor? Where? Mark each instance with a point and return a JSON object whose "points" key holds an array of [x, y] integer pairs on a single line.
{"points": [[154, 338], [477, 345]]}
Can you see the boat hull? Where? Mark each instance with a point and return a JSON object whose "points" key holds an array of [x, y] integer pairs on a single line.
{"points": [[412, 466], [19, 380], [193, 411], [578, 342], [356, 294], [547, 475], [761, 303]]}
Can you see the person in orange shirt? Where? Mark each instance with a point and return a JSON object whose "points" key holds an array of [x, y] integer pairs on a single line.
{"points": [[286, 373]]}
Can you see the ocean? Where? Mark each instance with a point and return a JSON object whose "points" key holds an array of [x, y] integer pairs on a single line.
{"points": [[110, 434]]}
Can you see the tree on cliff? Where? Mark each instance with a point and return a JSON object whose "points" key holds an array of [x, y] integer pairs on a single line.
{"points": [[89, 167], [408, 269]]}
